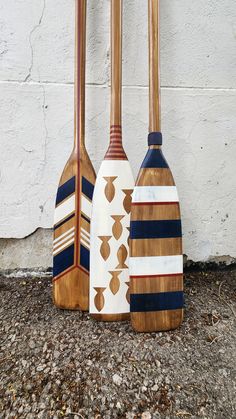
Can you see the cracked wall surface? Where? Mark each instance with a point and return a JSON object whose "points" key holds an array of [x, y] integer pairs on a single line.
{"points": [[198, 79]]}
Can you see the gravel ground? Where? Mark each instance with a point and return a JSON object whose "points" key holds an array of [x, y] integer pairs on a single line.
{"points": [[58, 364]]}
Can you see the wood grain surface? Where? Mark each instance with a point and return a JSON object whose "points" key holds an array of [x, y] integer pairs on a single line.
{"points": [[156, 260], [74, 197]]}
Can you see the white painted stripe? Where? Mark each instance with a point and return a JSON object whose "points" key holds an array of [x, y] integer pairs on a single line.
{"points": [[87, 245], [63, 235], [155, 194], [63, 240], [59, 249], [156, 265], [85, 232], [86, 206], [85, 238], [63, 210]]}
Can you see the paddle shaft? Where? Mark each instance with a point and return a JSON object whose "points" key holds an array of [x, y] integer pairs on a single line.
{"points": [[154, 64], [116, 61], [80, 55]]}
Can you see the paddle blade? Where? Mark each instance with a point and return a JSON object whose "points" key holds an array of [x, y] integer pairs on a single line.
{"points": [[72, 233], [156, 260], [109, 277]]}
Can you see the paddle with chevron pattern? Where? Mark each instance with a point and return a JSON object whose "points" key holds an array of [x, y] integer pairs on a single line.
{"points": [[74, 198], [109, 277], [156, 261]]}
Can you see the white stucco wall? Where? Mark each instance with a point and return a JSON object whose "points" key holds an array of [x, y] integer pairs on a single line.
{"points": [[198, 79]]}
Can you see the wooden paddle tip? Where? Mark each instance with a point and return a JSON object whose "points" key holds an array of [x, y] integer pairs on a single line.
{"points": [[150, 322], [111, 317]]}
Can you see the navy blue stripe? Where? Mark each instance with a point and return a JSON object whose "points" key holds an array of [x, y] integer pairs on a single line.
{"points": [[65, 190], [153, 229], [85, 218], [87, 188], [64, 221], [155, 138], [156, 302], [63, 260], [84, 257], [154, 158]]}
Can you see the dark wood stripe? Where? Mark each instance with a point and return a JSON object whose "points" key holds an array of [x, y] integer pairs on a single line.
{"points": [[156, 247], [165, 211], [154, 284], [155, 177]]}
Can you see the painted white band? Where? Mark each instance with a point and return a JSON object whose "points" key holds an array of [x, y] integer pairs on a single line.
{"points": [[155, 194], [59, 249], [85, 243], [85, 233], [64, 209], [63, 235], [86, 207], [65, 239], [155, 265], [85, 238]]}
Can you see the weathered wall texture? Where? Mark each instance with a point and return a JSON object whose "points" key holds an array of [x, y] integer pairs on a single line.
{"points": [[198, 78]]}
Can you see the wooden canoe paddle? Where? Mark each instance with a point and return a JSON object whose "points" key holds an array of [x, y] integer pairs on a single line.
{"points": [[109, 276], [156, 262], [74, 198]]}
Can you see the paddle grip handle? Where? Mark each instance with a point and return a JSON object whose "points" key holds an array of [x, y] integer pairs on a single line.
{"points": [[116, 61], [154, 64], [80, 56]]}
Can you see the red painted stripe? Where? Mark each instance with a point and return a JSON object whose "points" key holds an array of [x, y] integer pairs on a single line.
{"points": [[64, 273], [154, 276], [155, 203], [116, 141], [83, 269], [115, 152], [69, 270]]}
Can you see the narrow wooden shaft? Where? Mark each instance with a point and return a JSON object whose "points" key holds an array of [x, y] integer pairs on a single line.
{"points": [[80, 53], [116, 61], [154, 72]]}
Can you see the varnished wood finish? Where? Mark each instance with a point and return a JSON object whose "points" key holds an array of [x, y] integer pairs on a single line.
{"points": [[154, 73], [114, 282], [150, 322], [110, 188], [109, 284], [111, 317], [117, 226], [71, 269], [116, 65], [156, 271]]}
